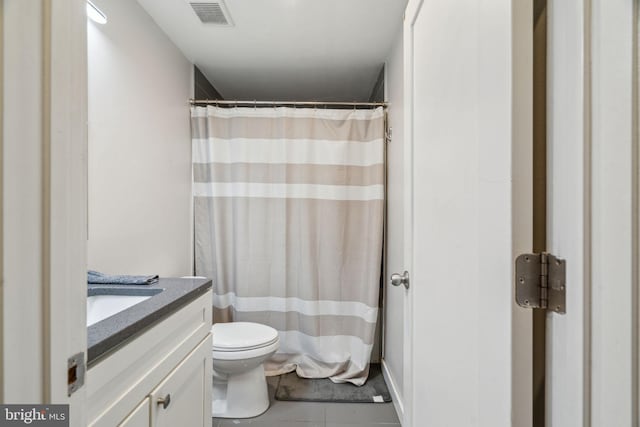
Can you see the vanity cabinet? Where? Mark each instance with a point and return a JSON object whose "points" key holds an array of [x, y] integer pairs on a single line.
{"points": [[161, 377], [139, 417], [180, 398]]}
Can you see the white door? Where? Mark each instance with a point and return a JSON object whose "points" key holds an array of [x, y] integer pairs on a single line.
{"points": [[592, 350], [43, 201], [468, 109]]}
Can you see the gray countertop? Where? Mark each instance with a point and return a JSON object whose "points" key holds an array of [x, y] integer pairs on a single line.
{"points": [[108, 334]]}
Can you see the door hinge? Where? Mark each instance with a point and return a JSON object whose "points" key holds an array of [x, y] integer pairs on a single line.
{"points": [[541, 282]]}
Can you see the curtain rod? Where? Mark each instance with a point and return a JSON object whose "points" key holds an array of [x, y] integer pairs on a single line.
{"points": [[284, 103]]}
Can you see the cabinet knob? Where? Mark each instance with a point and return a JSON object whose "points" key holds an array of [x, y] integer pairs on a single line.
{"points": [[164, 401]]}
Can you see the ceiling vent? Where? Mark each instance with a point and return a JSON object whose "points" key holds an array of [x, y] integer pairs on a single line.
{"points": [[212, 12]]}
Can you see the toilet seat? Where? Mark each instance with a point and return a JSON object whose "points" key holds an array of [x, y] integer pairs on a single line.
{"points": [[246, 354], [242, 340]]}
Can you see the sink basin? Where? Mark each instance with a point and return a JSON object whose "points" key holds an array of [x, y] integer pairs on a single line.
{"points": [[106, 302]]}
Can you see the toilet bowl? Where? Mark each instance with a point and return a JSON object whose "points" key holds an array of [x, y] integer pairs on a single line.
{"points": [[239, 383]]}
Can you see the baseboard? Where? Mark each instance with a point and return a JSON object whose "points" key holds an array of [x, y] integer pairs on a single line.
{"points": [[393, 389]]}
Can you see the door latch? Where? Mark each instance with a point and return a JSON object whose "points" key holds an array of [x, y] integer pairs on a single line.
{"points": [[75, 373]]}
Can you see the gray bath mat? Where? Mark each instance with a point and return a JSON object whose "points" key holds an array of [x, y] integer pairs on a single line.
{"points": [[292, 387]]}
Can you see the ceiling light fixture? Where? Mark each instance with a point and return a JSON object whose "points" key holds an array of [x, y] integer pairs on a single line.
{"points": [[95, 14]]}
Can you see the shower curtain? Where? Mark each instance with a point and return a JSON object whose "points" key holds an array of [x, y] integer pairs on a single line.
{"points": [[288, 208]]}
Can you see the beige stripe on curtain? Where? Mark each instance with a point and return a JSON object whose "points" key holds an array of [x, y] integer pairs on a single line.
{"points": [[288, 207]]}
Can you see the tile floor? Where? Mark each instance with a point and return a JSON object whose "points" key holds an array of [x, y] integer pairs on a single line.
{"points": [[317, 414]]}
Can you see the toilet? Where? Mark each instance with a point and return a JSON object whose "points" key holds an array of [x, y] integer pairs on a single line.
{"points": [[239, 383]]}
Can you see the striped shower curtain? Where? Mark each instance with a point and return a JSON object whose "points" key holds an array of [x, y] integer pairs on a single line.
{"points": [[288, 207]]}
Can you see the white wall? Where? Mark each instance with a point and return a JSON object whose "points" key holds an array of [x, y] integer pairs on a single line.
{"points": [[394, 297], [139, 146]]}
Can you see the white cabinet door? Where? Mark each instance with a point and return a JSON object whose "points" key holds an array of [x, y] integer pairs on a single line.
{"points": [[184, 397], [139, 417], [468, 109]]}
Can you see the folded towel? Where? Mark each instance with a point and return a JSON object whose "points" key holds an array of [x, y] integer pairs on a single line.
{"points": [[96, 278]]}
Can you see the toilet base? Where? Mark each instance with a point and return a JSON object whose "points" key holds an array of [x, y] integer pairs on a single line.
{"points": [[243, 395]]}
